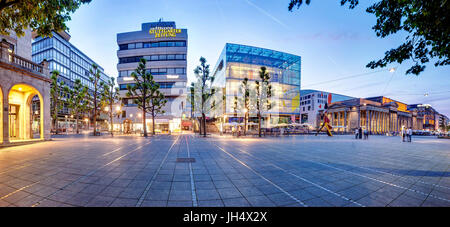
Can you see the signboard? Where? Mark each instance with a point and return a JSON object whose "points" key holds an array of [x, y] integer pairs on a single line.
{"points": [[164, 32]]}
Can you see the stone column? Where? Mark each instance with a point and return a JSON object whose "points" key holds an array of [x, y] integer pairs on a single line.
{"points": [[345, 121], [5, 118]]}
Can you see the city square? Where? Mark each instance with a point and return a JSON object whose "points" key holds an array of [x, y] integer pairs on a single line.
{"points": [[225, 108], [191, 171]]}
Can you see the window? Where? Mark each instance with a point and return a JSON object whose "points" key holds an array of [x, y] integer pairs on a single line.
{"points": [[170, 57], [123, 47], [162, 57], [131, 46], [138, 45], [154, 58]]}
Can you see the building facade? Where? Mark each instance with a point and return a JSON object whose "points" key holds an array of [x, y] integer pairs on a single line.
{"points": [[313, 101], [24, 92], [69, 61], [164, 46], [379, 115], [429, 115], [237, 62]]}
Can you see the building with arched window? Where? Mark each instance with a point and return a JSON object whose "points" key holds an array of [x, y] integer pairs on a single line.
{"points": [[24, 92]]}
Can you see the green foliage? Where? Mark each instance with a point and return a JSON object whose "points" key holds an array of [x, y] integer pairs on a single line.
{"points": [[110, 96], [426, 21], [205, 89], [43, 16], [263, 94], [77, 101], [146, 94], [57, 91], [96, 97]]}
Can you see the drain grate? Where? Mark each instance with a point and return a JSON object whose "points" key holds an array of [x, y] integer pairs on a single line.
{"points": [[186, 160]]}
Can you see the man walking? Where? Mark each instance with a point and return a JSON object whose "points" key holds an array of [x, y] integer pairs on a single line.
{"points": [[403, 134], [356, 133], [409, 132]]}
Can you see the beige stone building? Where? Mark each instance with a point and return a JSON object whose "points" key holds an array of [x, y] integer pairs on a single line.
{"points": [[379, 115], [24, 92]]}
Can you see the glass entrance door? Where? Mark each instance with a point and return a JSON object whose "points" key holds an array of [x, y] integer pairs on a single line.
{"points": [[14, 121]]}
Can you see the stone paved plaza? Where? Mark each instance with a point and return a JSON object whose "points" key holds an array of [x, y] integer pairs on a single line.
{"points": [[186, 170]]}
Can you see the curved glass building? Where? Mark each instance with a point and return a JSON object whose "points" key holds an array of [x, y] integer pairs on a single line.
{"points": [[237, 62]]}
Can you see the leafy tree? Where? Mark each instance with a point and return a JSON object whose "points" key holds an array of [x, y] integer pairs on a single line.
{"points": [[426, 21], [192, 99], [96, 94], [205, 82], [110, 96], [43, 16], [57, 91], [263, 94], [77, 101], [245, 90], [146, 94]]}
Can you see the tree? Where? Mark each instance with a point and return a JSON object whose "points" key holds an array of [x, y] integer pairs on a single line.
{"points": [[77, 101], [146, 94], [245, 90], [263, 95], [427, 23], [205, 82], [110, 96], [97, 86], [57, 91], [43, 16]]}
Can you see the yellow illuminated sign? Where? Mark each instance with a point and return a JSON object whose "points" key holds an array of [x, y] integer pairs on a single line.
{"points": [[164, 32]]}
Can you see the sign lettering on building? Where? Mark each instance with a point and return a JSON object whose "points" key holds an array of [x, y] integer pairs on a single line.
{"points": [[164, 32]]}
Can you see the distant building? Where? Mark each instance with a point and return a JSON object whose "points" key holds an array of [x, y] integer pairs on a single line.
{"points": [[24, 92], [237, 62], [69, 61], [164, 46], [379, 115], [313, 101], [429, 114]]}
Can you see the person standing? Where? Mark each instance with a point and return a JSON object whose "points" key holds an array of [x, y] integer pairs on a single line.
{"points": [[360, 133], [409, 132], [356, 133], [403, 134], [366, 134]]}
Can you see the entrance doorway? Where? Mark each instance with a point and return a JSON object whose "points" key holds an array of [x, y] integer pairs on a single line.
{"points": [[14, 123]]}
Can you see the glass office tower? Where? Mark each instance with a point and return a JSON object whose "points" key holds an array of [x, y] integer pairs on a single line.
{"points": [[237, 62], [164, 46], [64, 57]]}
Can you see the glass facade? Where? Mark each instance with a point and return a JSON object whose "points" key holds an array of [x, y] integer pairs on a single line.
{"points": [[66, 58], [240, 61]]}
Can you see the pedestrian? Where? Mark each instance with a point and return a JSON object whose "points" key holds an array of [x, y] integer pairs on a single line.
{"points": [[360, 133], [403, 134], [356, 133], [409, 132], [366, 134]]}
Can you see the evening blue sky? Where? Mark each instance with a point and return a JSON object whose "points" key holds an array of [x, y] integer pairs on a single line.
{"points": [[333, 41]]}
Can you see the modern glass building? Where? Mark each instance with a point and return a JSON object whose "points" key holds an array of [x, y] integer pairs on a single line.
{"points": [[64, 57], [237, 62], [313, 101], [164, 46]]}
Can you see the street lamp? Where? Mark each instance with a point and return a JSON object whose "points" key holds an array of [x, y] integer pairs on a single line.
{"points": [[66, 123], [392, 70]]}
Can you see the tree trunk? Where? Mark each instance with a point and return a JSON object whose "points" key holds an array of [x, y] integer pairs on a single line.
{"points": [[144, 122], [76, 126], [245, 124], [111, 119], [259, 124], [204, 124], [153, 122]]}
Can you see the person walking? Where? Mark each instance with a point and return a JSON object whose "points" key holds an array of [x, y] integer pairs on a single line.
{"points": [[366, 134], [409, 133], [360, 133], [403, 134], [356, 133]]}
